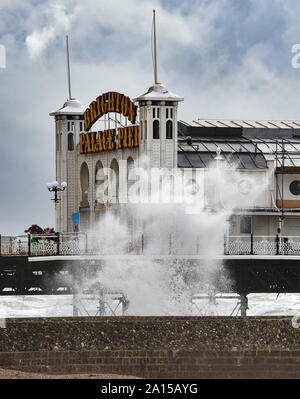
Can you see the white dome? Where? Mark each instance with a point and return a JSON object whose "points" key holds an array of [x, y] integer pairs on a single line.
{"points": [[158, 92], [70, 107]]}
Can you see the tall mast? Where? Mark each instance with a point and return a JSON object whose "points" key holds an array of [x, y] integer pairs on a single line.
{"points": [[68, 67], [154, 46]]}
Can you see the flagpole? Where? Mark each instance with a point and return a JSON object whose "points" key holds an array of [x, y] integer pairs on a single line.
{"points": [[68, 67], [154, 46]]}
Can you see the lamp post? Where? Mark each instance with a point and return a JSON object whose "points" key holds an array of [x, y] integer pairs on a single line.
{"points": [[53, 187]]}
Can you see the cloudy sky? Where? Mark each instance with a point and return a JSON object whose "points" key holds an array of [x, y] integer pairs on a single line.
{"points": [[228, 59]]}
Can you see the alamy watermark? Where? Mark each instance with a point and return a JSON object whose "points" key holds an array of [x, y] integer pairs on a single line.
{"points": [[296, 58], [131, 185], [2, 57], [149, 186]]}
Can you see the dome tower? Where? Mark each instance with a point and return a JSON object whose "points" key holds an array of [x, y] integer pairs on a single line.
{"points": [[68, 125], [158, 120]]}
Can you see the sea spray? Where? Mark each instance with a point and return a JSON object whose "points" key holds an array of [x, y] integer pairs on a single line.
{"points": [[158, 255]]}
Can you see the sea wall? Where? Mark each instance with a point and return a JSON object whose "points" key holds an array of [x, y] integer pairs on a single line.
{"points": [[169, 347]]}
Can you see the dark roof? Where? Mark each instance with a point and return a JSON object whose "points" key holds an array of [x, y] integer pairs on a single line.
{"points": [[240, 128], [244, 144], [196, 159]]}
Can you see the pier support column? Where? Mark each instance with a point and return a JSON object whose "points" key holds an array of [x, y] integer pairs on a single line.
{"points": [[244, 304], [125, 305], [75, 301], [101, 306], [75, 293]]}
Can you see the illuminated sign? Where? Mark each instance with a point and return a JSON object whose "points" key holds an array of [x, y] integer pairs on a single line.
{"points": [[106, 140], [109, 102]]}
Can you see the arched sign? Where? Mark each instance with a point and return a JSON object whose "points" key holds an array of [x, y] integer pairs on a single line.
{"points": [[111, 139], [109, 102]]}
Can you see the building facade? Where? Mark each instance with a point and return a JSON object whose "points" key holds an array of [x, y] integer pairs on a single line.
{"points": [[82, 170], [265, 153]]}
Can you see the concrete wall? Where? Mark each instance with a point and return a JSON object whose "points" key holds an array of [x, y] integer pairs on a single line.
{"points": [[169, 347]]}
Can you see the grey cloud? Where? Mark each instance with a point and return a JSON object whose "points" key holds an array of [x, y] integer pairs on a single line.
{"points": [[229, 59]]}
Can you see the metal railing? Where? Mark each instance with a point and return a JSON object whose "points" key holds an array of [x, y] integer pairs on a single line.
{"points": [[14, 245], [262, 245], [91, 243]]}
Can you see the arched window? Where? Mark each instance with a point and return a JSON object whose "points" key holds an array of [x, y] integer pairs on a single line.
{"points": [[114, 181], [156, 129], [99, 176], [130, 165], [99, 180], [169, 130], [130, 182], [71, 142], [84, 182]]}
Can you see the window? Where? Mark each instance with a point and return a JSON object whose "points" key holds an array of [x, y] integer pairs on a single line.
{"points": [[141, 130], [84, 182], [71, 142], [156, 129], [245, 225], [155, 112], [167, 113], [171, 112], [295, 187], [145, 125], [99, 172], [130, 167], [244, 186], [81, 126], [114, 176], [169, 130]]}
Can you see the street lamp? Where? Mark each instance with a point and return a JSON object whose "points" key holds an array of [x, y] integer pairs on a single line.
{"points": [[53, 187]]}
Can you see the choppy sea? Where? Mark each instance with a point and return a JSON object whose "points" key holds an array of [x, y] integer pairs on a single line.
{"points": [[62, 305]]}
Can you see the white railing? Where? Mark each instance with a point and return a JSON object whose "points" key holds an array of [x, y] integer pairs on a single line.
{"points": [[72, 244], [262, 245], [14, 245], [42, 245], [92, 243]]}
